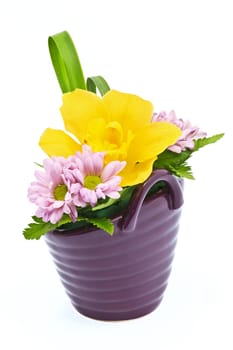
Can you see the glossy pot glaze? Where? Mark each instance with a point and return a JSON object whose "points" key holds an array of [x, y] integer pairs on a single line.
{"points": [[123, 276]]}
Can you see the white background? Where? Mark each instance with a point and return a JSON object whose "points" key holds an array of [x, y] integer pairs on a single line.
{"points": [[178, 54]]}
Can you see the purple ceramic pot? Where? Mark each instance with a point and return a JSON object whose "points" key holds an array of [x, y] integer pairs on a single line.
{"points": [[123, 276]]}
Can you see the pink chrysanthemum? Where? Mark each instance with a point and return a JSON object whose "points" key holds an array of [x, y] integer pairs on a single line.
{"points": [[50, 191], [189, 132], [65, 184], [96, 180]]}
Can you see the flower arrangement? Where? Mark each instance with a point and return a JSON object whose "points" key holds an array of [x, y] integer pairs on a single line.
{"points": [[110, 145]]}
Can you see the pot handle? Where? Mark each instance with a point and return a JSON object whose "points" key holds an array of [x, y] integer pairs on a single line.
{"points": [[174, 198]]}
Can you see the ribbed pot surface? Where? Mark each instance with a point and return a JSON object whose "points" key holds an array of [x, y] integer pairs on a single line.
{"points": [[123, 276]]}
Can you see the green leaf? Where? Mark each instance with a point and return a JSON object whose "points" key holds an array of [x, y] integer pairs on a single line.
{"points": [[39, 228], [125, 195], [169, 159], [101, 223], [66, 62], [99, 83], [182, 170], [176, 162], [206, 141], [36, 219], [38, 164], [105, 204]]}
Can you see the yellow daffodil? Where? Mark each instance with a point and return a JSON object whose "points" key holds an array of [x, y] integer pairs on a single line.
{"points": [[118, 124]]}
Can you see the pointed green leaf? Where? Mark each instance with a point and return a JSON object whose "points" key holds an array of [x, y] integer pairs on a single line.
{"points": [[171, 158], [38, 164], [39, 228], [105, 204], [66, 62], [101, 223], [99, 83], [206, 141], [182, 170]]}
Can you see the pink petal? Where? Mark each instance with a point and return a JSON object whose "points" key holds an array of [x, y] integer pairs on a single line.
{"points": [[56, 215], [98, 162], [114, 195], [88, 166], [112, 169], [175, 148], [58, 204], [88, 196]]}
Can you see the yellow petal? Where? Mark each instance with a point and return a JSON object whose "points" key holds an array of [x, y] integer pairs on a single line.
{"points": [[152, 140], [79, 108], [58, 143], [131, 111], [134, 174], [94, 135]]}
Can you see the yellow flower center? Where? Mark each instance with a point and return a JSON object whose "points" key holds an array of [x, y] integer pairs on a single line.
{"points": [[60, 192], [91, 181], [114, 134], [108, 136]]}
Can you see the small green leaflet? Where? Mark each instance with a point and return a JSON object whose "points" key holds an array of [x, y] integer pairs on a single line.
{"points": [[207, 141], [102, 223], [110, 201], [38, 164], [39, 228], [105, 204], [97, 82], [169, 158], [176, 162], [183, 170]]}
